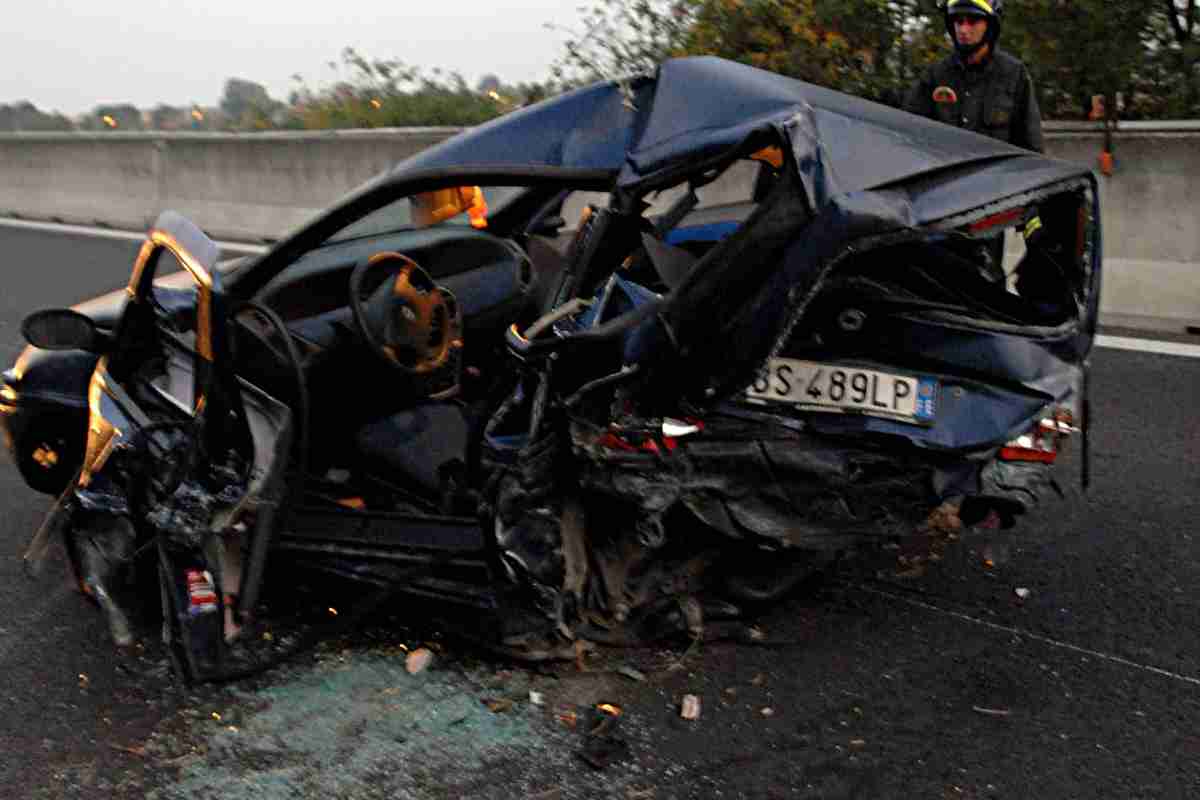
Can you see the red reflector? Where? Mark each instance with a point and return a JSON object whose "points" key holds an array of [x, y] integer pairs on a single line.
{"points": [[1023, 454], [1003, 218], [613, 442]]}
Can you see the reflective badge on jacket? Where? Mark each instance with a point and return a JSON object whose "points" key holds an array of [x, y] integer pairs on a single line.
{"points": [[944, 94]]}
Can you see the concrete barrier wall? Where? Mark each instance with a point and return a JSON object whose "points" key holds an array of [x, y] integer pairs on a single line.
{"points": [[255, 187], [244, 187], [86, 178], [1151, 210]]}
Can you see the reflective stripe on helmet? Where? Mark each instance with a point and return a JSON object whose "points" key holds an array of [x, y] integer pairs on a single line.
{"points": [[981, 5]]}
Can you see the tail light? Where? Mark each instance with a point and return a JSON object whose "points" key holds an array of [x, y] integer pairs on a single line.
{"points": [[1002, 220], [1043, 442]]}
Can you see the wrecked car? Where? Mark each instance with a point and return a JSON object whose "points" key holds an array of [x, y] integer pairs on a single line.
{"points": [[606, 368]]}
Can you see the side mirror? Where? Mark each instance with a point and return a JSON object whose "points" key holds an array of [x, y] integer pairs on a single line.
{"points": [[62, 329]]}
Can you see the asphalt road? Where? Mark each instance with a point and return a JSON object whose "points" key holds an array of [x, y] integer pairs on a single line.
{"points": [[942, 684]]}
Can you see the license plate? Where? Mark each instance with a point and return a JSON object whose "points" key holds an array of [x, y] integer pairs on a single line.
{"points": [[848, 390]]}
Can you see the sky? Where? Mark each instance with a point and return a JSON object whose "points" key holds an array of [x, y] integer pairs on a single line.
{"points": [[72, 55]]}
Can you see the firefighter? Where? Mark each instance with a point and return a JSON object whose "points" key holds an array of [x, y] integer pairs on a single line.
{"points": [[983, 89], [979, 87]]}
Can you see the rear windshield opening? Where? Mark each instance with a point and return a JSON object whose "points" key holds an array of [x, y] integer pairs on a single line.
{"points": [[1025, 266]]}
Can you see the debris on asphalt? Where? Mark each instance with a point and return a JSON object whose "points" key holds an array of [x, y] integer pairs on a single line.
{"points": [[497, 705], [600, 751], [767, 711], [567, 716], [631, 673], [858, 742], [758, 680], [601, 745], [690, 707], [133, 750], [536, 698], [995, 554], [418, 660], [912, 568], [991, 712], [944, 518], [1022, 593], [372, 708]]}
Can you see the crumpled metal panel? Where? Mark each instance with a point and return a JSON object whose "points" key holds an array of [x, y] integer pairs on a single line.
{"points": [[703, 105], [1049, 365], [737, 342], [959, 191], [700, 106], [1019, 483], [588, 128], [789, 489]]}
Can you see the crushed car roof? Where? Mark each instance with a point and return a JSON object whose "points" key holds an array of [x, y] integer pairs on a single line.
{"points": [[704, 105]]}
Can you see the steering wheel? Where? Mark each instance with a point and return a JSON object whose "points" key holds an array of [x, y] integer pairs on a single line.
{"points": [[402, 315]]}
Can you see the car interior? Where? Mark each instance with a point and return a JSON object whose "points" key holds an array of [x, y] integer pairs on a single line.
{"points": [[374, 439]]}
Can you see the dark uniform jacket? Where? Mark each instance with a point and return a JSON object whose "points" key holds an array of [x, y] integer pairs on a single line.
{"points": [[995, 98]]}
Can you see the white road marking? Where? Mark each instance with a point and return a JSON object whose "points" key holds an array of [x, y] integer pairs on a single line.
{"points": [[1037, 637], [108, 233], [1149, 346]]}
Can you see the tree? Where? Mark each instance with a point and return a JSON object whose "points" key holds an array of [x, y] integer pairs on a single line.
{"points": [[1148, 51], [1178, 50], [1080, 49], [488, 83], [859, 46], [247, 104], [619, 38], [856, 46], [113, 116], [24, 116], [390, 93]]}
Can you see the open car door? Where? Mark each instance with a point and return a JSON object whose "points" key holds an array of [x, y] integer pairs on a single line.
{"points": [[184, 461]]}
